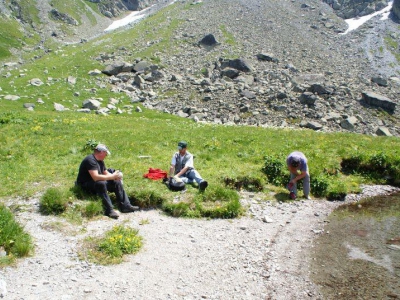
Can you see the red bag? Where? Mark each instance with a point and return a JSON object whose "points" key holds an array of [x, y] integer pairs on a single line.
{"points": [[156, 174]]}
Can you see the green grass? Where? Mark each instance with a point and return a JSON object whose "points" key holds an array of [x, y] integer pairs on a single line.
{"points": [[229, 37], [13, 239], [111, 248], [392, 45]]}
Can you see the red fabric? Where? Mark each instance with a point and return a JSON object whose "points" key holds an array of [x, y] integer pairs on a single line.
{"points": [[156, 174]]}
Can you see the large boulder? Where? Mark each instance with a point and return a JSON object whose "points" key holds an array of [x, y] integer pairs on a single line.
{"points": [[374, 99]]}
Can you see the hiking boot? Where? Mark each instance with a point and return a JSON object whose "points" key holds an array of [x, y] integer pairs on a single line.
{"points": [[113, 214], [292, 196], [129, 209], [307, 197], [203, 185]]}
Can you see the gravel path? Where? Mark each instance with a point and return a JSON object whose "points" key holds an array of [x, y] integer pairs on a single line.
{"points": [[263, 255]]}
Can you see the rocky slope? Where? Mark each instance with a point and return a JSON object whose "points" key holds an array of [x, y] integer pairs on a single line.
{"points": [[296, 68]]}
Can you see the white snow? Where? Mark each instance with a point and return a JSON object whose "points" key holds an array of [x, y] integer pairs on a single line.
{"points": [[131, 18], [354, 23]]}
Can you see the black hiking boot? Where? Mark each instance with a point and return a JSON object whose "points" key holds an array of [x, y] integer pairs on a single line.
{"points": [[203, 185], [113, 214], [129, 209]]}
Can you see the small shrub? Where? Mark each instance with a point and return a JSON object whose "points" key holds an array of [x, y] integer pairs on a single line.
{"points": [[121, 240], [53, 202], [274, 169], [337, 191], [110, 249], [90, 145], [13, 239], [319, 185], [92, 209]]}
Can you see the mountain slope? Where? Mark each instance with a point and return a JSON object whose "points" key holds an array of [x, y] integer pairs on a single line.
{"points": [[314, 76]]}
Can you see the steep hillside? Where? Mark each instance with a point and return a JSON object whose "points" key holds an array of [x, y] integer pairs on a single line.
{"points": [[44, 23], [269, 63]]}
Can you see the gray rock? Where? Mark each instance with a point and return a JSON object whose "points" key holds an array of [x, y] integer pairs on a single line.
{"points": [[380, 81], [267, 57], [12, 97], [29, 105], [349, 123], [142, 66], [374, 99], [36, 82], [208, 40], [383, 131], [308, 98], [71, 80], [94, 72], [59, 107], [91, 104]]}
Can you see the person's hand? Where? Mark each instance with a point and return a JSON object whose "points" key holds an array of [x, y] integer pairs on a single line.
{"points": [[117, 175], [177, 179]]}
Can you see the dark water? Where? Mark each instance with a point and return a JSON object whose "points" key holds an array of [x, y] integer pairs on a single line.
{"points": [[358, 256]]}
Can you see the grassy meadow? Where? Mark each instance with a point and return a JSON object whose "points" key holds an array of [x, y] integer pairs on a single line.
{"points": [[42, 149]]}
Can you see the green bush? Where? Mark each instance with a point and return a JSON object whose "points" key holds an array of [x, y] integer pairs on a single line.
{"points": [[53, 202], [92, 209], [380, 167], [13, 239], [319, 185], [337, 191], [274, 168]]}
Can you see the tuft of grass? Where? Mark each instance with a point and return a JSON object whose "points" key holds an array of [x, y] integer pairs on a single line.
{"points": [[229, 37], [92, 209], [111, 248], [54, 202], [216, 202], [13, 239]]}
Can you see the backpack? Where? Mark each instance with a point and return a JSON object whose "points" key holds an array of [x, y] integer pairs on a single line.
{"points": [[173, 185]]}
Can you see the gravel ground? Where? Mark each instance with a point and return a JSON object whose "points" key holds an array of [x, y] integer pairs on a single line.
{"points": [[263, 255]]}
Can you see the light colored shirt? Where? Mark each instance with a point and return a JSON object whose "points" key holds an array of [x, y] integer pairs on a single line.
{"points": [[302, 158], [189, 163]]}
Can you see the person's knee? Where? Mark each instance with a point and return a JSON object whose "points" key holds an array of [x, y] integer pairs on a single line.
{"points": [[101, 186]]}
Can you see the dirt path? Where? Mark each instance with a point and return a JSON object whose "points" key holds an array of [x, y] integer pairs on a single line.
{"points": [[263, 255]]}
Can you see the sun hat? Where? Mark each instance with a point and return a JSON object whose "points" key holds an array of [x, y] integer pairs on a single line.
{"points": [[102, 147], [182, 145]]}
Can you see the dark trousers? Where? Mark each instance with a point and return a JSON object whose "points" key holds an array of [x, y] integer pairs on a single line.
{"points": [[102, 188]]}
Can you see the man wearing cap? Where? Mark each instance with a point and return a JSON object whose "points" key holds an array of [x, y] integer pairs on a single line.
{"points": [[182, 167], [297, 165], [94, 178]]}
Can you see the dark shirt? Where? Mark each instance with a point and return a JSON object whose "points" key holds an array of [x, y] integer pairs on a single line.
{"points": [[87, 164]]}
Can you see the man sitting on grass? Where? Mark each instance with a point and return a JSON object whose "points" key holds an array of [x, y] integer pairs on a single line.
{"points": [[94, 178], [182, 168]]}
